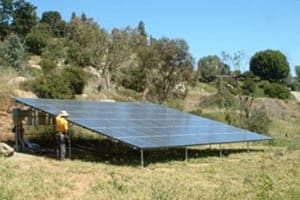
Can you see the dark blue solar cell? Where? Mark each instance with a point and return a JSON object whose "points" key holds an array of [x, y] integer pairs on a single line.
{"points": [[144, 125]]}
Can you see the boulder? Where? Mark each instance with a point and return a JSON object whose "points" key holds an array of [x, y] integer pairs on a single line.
{"points": [[6, 150]]}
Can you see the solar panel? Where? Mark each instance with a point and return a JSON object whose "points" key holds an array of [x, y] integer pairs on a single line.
{"points": [[144, 125]]}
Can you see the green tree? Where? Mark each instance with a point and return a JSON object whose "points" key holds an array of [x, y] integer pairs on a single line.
{"points": [[13, 51], [6, 10], [76, 79], [51, 83], [166, 63], [52, 18], [36, 40], [114, 51], [56, 25], [276, 90], [24, 17], [297, 69], [209, 67], [270, 65]]}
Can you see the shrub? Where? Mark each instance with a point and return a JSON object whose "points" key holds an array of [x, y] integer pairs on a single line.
{"points": [[249, 86], [35, 41], [13, 51], [276, 90], [76, 79], [174, 103], [256, 121], [295, 86], [132, 78], [53, 84], [51, 87]]}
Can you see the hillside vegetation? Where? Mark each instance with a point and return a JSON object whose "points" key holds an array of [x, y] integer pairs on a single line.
{"points": [[48, 57]]}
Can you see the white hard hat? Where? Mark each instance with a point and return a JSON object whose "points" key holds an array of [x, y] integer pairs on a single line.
{"points": [[64, 113]]}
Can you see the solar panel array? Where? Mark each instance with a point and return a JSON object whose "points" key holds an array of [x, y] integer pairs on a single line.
{"points": [[143, 125]]}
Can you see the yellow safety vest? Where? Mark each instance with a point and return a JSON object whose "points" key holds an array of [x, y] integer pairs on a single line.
{"points": [[61, 124]]}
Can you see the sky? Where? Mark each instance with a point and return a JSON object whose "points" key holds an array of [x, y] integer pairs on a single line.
{"points": [[208, 26]]}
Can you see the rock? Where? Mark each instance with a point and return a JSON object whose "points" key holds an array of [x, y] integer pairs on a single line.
{"points": [[36, 66], [93, 71], [108, 100], [17, 81], [24, 94], [84, 96], [6, 150]]}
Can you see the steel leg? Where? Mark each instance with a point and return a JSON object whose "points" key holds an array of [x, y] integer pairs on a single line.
{"points": [[142, 158], [186, 154], [248, 150], [221, 150]]}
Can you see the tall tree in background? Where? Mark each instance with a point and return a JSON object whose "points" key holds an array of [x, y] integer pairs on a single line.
{"points": [[24, 17], [112, 51], [209, 67], [270, 65], [6, 10], [56, 25], [167, 63], [13, 51], [297, 69]]}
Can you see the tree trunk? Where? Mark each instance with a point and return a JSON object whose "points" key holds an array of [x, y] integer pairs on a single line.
{"points": [[107, 81]]}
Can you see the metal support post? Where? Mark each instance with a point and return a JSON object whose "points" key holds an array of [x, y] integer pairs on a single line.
{"points": [[221, 150], [248, 150], [70, 149], [142, 158], [186, 154]]}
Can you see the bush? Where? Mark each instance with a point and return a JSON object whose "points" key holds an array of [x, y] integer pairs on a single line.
{"points": [[257, 120], [249, 86], [174, 103], [76, 79], [54, 84], [35, 41], [132, 78], [51, 87], [13, 51], [275, 90], [295, 86]]}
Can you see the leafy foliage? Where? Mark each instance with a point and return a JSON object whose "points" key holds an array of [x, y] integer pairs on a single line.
{"points": [[133, 78], [13, 51], [6, 10], [210, 67], [166, 63], [54, 20], [76, 79], [297, 69], [24, 17], [270, 65], [36, 40], [276, 90], [55, 84]]}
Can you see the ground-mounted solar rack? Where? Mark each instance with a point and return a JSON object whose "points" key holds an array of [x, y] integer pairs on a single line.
{"points": [[144, 126]]}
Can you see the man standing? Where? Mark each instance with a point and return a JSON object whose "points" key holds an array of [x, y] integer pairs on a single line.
{"points": [[61, 135]]}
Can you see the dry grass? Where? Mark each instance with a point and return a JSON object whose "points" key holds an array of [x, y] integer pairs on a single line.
{"points": [[268, 174]]}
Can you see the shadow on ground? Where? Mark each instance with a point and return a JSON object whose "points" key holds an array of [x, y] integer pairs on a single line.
{"points": [[107, 151]]}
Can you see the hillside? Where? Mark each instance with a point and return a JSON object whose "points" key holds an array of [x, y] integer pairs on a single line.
{"points": [[266, 172]]}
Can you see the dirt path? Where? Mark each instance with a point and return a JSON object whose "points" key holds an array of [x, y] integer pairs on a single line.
{"points": [[296, 95]]}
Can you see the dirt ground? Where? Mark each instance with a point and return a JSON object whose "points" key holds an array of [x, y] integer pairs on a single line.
{"points": [[296, 95]]}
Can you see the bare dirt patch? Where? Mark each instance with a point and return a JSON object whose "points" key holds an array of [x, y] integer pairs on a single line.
{"points": [[296, 95]]}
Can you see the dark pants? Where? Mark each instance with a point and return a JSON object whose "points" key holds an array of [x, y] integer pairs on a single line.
{"points": [[60, 146]]}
